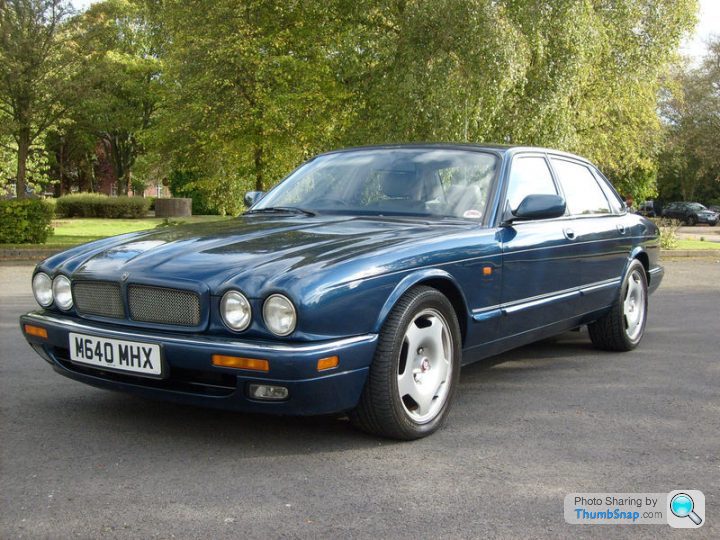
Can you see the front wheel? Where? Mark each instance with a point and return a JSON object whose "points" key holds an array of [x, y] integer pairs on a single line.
{"points": [[622, 328], [415, 370]]}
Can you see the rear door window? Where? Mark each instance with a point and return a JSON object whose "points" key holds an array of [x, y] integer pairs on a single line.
{"points": [[583, 194]]}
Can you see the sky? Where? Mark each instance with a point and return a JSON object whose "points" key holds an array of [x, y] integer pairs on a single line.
{"points": [[708, 26], [693, 46]]}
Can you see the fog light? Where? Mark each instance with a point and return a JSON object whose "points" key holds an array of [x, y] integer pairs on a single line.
{"points": [[268, 392]]}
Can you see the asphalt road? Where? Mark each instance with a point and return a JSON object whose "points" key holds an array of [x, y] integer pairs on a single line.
{"points": [[527, 428]]}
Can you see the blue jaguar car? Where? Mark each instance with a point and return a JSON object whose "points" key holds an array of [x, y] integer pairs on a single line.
{"points": [[361, 284]]}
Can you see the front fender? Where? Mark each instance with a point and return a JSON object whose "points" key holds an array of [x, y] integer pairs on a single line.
{"points": [[409, 281]]}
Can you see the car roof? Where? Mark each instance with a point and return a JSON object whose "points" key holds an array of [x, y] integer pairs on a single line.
{"points": [[500, 149]]}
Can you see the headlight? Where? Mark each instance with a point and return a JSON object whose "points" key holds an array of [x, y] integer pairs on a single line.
{"points": [[42, 289], [62, 292], [279, 314], [235, 311]]}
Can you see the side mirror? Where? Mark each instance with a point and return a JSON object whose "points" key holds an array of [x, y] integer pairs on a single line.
{"points": [[251, 197], [540, 207]]}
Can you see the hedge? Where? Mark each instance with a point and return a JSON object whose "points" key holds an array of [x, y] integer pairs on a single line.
{"points": [[101, 206], [182, 184], [25, 221]]}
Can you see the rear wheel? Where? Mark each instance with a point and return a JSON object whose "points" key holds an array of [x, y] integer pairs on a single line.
{"points": [[415, 370], [622, 328], [692, 220]]}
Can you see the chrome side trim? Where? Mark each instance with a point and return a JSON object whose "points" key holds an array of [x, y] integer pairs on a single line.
{"points": [[263, 347], [600, 285], [542, 301], [489, 312]]}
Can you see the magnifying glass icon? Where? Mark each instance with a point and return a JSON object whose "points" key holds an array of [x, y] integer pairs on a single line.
{"points": [[682, 506]]}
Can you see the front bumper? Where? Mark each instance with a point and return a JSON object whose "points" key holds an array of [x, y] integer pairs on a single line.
{"points": [[191, 378]]}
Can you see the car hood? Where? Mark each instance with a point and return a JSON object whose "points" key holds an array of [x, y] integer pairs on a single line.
{"points": [[257, 253]]}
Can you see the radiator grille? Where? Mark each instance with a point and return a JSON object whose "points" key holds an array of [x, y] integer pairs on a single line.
{"points": [[98, 298], [163, 306]]}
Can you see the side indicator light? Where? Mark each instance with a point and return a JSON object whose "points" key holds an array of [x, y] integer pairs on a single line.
{"points": [[253, 364], [36, 331], [328, 363], [487, 270]]}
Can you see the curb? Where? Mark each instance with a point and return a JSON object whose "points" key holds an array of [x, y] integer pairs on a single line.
{"points": [[28, 254], [704, 253], [40, 254]]}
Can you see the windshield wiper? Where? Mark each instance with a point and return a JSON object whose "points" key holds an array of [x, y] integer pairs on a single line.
{"points": [[284, 209]]}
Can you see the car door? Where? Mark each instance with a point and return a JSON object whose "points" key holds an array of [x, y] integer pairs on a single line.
{"points": [[602, 242], [671, 211], [539, 259]]}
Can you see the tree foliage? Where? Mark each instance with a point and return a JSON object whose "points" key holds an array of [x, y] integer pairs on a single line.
{"points": [[579, 76], [690, 162], [233, 95], [37, 74], [122, 80]]}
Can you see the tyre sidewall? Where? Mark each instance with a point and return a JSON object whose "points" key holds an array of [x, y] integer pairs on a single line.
{"points": [[427, 299], [634, 265]]}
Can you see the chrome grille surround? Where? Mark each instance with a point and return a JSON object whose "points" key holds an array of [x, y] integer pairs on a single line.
{"points": [[163, 305], [103, 298]]}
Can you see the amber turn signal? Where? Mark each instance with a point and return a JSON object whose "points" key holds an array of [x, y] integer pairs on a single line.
{"points": [[328, 363], [253, 364], [36, 331], [487, 270]]}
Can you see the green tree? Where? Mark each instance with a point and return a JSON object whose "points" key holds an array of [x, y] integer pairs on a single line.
{"points": [[690, 162], [249, 92], [122, 73], [582, 76], [37, 69]]}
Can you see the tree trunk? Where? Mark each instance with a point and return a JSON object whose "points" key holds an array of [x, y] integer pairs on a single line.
{"points": [[22, 157]]}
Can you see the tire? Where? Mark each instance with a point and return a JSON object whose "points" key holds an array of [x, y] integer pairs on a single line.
{"points": [[692, 221], [422, 321], [622, 328], [713, 223]]}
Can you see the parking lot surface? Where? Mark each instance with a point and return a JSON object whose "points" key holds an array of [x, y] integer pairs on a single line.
{"points": [[527, 428]]}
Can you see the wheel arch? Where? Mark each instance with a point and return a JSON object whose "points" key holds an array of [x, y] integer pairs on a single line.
{"points": [[437, 279], [641, 255]]}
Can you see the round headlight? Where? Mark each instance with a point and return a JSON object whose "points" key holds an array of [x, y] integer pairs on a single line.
{"points": [[279, 314], [42, 289], [62, 292], [235, 310]]}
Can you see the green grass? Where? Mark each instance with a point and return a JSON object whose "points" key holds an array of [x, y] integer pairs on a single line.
{"points": [[71, 232], [697, 244]]}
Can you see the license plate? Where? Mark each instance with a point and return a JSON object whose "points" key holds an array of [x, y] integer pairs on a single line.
{"points": [[116, 354]]}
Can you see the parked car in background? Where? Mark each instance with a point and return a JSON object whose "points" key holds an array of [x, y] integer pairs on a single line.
{"points": [[360, 284], [647, 209], [690, 213]]}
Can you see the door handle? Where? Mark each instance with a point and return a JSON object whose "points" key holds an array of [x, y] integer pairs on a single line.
{"points": [[621, 229], [569, 234]]}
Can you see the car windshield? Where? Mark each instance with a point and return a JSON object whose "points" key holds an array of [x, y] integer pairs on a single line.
{"points": [[696, 206], [389, 181]]}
